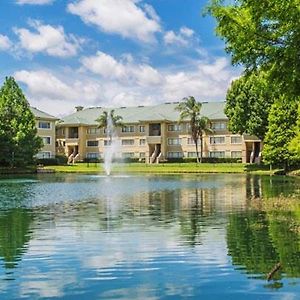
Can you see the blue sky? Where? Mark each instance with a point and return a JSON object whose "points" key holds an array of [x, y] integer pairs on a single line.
{"points": [[112, 52]]}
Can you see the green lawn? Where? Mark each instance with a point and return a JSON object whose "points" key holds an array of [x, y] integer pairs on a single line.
{"points": [[170, 168]]}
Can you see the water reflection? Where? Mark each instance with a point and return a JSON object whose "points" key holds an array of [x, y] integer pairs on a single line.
{"points": [[138, 237]]}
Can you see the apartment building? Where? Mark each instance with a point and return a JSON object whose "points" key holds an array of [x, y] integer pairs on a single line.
{"points": [[45, 125], [153, 134]]}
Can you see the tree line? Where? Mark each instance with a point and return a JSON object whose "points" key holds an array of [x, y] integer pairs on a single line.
{"points": [[19, 142], [264, 37]]}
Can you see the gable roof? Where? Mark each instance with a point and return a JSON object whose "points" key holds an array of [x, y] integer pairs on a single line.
{"points": [[161, 112], [41, 114]]}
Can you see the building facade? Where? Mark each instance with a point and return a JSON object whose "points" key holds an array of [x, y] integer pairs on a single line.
{"points": [[45, 125], [153, 134]]}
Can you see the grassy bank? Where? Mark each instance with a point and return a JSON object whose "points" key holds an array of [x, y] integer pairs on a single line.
{"points": [[25, 170], [170, 168]]}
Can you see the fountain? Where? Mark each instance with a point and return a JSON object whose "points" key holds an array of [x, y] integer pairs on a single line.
{"points": [[112, 146]]}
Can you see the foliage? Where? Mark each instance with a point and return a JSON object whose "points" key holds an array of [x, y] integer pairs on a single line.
{"points": [[262, 34], [18, 140], [104, 121], [282, 119], [294, 146], [248, 103], [190, 110]]}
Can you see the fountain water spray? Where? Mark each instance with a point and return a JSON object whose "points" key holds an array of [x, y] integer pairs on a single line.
{"points": [[113, 145]]}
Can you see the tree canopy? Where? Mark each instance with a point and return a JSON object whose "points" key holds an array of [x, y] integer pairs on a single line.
{"points": [[262, 34], [190, 110], [282, 119], [248, 103], [18, 140]]}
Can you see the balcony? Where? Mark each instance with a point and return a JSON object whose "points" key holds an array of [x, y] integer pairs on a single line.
{"points": [[72, 141], [153, 139]]}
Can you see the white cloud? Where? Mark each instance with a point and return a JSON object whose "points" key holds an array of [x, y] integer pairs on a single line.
{"points": [[125, 71], [35, 2], [48, 39], [187, 31], [5, 43], [106, 81], [104, 65], [123, 17], [183, 38]]}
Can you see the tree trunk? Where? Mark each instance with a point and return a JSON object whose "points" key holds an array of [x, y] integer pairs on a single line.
{"points": [[201, 148], [197, 152]]}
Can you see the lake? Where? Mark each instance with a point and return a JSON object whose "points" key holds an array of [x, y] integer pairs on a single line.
{"points": [[76, 236]]}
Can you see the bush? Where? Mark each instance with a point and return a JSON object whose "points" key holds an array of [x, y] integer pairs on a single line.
{"points": [[213, 160], [53, 161]]}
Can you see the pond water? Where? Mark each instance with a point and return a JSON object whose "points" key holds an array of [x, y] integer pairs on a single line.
{"points": [[147, 237]]}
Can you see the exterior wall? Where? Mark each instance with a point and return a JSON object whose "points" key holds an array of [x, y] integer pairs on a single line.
{"points": [[172, 143], [48, 150]]}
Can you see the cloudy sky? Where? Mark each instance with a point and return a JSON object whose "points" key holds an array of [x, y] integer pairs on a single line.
{"points": [[65, 53]]}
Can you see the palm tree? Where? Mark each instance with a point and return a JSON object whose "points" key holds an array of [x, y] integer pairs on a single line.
{"points": [[109, 121], [190, 110]]}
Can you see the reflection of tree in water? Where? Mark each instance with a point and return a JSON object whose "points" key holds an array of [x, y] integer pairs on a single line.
{"points": [[258, 240], [249, 243], [14, 235], [191, 222]]}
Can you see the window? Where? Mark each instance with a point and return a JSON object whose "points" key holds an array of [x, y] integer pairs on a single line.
{"points": [[128, 154], [175, 154], [127, 142], [107, 142], [129, 128], [93, 155], [142, 142], [93, 130], [44, 154], [174, 141], [236, 154], [218, 126], [217, 154], [142, 128], [236, 140], [217, 140], [44, 125], [174, 127], [190, 141], [142, 154], [191, 154], [46, 140], [92, 143]]}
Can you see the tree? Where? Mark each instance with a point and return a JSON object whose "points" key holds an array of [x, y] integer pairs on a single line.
{"points": [[18, 140], [248, 103], [190, 110], [262, 35], [294, 146], [282, 119], [109, 121]]}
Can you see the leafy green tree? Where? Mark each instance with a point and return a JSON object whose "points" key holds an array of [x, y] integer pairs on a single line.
{"points": [[190, 110], [282, 119], [248, 103], [109, 121], [294, 146], [262, 34], [18, 140]]}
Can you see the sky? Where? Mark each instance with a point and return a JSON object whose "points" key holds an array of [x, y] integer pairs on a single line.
{"points": [[112, 53]]}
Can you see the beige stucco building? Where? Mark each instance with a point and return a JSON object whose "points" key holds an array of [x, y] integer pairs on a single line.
{"points": [[153, 134], [45, 125]]}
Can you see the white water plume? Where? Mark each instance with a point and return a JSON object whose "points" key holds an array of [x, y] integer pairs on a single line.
{"points": [[112, 147]]}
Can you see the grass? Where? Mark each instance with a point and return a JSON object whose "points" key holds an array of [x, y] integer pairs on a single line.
{"points": [[169, 168]]}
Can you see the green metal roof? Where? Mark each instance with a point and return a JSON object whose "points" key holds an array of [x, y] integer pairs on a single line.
{"points": [[41, 115], [138, 114]]}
